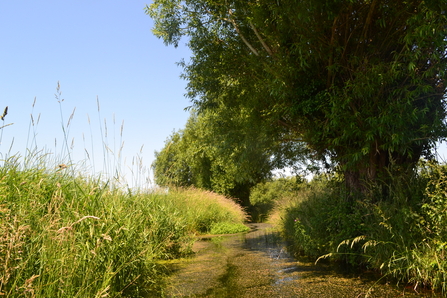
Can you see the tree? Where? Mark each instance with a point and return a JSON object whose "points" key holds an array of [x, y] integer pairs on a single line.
{"points": [[217, 152], [185, 160], [196, 156], [360, 82]]}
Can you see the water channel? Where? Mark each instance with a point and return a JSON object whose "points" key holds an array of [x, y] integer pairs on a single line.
{"points": [[256, 264]]}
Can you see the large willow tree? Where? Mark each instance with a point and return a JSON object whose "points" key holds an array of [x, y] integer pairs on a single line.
{"points": [[360, 82]]}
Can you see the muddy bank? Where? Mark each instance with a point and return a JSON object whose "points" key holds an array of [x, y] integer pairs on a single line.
{"points": [[256, 264]]}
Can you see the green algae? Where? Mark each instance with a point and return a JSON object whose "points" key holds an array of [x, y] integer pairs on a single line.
{"points": [[257, 264]]}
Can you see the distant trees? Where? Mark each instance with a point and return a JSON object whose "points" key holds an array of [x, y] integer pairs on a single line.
{"points": [[219, 153], [264, 196], [188, 159], [359, 82]]}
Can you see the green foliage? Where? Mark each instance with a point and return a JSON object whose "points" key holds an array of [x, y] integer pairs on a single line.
{"points": [[73, 236], [228, 228], [320, 217], [359, 82], [404, 238], [264, 196], [216, 154], [434, 207], [188, 159]]}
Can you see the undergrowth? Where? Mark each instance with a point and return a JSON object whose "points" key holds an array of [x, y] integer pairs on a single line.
{"points": [[404, 237]]}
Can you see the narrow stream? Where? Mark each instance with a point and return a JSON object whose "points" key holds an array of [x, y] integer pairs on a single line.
{"points": [[256, 264]]}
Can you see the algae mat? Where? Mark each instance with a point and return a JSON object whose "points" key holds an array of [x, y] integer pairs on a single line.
{"points": [[256, 264]]}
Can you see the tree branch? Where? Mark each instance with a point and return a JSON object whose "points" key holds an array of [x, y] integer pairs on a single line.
{"points": [[254, 51], [266, 47]]}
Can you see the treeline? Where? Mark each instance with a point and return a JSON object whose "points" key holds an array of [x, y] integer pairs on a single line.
{"points": [[210, 155]]}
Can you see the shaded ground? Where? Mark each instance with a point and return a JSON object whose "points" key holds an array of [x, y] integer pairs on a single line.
{"points": [[256, 264]]}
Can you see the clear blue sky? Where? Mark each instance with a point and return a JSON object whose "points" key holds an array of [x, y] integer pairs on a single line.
{"points": [[96, 49]]}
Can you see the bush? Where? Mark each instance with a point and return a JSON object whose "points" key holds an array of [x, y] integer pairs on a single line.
{"points": [[404, 236], [415, 251], [318, 218]]}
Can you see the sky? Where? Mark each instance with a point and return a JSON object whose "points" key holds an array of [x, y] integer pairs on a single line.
{"points": [[98, 52], [110, 70]]}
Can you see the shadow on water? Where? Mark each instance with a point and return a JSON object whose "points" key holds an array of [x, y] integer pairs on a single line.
{"points": [[257, 264]]}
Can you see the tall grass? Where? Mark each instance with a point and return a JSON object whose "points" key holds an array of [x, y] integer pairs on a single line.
{"points": [[403, 237], [65, 236], [410, 240], [204, 209], [65, 232]]}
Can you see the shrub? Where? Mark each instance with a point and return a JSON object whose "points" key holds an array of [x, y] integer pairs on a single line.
{"points": [[403, 236], [415, 252], [228, 228], [318, 218]]}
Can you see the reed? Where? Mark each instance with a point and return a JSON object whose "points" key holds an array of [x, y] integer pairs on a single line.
{"points": [[65, 232]]}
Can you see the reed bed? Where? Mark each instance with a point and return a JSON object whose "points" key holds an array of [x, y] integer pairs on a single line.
{"points": [[65, 236], [68, 232]]}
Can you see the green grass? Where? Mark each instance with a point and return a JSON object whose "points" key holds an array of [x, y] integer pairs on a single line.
{"points": [[228, 228], [203, 209], [65, 232], [73, 236]]}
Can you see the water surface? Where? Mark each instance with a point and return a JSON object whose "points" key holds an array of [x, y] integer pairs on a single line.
{"points": [[256, 264]]}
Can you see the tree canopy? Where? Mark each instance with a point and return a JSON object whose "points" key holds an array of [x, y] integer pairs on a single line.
{"points": [[360, 82]]}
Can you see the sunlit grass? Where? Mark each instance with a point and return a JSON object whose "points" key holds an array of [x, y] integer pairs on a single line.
{"points": [[65, 232], [203, 209], [73, 236]]}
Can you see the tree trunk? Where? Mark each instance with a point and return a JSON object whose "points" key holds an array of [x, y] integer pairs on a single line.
{"points": [[378, 172]]}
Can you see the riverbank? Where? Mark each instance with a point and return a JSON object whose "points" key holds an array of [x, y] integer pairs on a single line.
{"points": [[64, 235]]}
